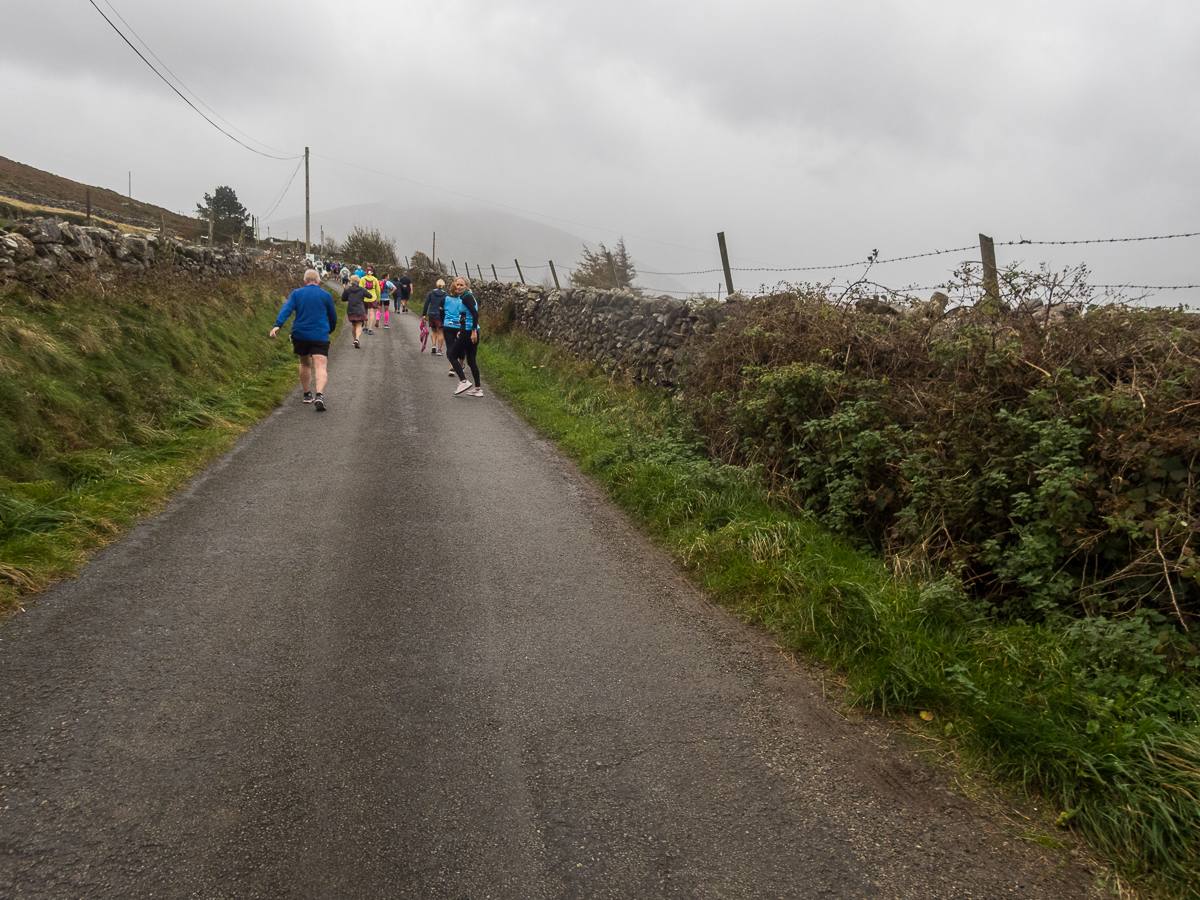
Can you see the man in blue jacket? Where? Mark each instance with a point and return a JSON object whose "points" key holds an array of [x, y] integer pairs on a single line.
{"points": [[315, 319]]}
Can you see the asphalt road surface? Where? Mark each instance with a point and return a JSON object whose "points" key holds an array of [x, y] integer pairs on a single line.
{"points": [[403, 649]]}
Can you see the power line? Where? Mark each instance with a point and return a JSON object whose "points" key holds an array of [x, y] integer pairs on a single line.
{"points": [[157, 59], [177, 91], [283, 193]]}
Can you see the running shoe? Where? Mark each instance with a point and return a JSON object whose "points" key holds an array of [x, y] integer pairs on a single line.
{"points": [[308, 396], [357, 346], [387, 326], [452, 374], [478, 392], [319, 402], [463, 387]]}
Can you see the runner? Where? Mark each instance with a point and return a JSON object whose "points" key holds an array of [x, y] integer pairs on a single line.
{"points": [[345, 277], [461, 325], [316, 317], [432, 314], [386, 289], [406, 287], [371, 283], [356, 308]]}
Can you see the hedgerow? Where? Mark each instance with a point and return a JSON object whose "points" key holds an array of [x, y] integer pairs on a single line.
{"points": [[1047, 455]]}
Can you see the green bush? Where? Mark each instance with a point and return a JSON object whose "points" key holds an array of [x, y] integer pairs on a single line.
{"points": [[1050, 461]]}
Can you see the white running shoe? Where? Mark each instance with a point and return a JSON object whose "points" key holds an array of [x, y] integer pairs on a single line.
{"points": [[478, 392], [463, 387]]}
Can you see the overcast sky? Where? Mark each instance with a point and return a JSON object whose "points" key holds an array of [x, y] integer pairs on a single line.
{"points": [[809, 132]]}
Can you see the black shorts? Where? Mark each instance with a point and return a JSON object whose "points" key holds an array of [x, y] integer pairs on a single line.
{"points": [[305, 347], [385, 302]]}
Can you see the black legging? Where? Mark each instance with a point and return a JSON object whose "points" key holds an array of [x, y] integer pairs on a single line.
{"points": [[459, 346]]}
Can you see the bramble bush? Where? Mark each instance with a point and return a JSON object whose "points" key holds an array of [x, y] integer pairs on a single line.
{"points": [[1047, 455]]}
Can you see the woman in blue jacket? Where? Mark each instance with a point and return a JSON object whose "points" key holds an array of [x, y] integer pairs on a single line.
{"points": [[460, 325]]}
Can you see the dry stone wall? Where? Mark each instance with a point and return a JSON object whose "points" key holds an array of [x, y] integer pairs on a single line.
{"points": [[39, 251], [645, 339]]}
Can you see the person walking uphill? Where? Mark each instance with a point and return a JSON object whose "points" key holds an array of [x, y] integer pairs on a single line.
{"points": [[460, 324], [435, 307], [356, 308], [315, 319]]}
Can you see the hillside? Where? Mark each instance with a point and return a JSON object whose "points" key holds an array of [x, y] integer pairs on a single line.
{"points": [[32, 187], [476, 235]]}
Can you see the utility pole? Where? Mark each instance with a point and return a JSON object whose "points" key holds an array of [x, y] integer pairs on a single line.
{"points": [[210, 224], [131, 185], [307, 249], [433, 255]]}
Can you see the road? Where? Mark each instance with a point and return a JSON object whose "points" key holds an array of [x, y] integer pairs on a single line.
{"points": [[402, 648]]}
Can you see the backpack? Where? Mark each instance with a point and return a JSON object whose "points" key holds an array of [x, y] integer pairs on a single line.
{"points": [[369, 283]]}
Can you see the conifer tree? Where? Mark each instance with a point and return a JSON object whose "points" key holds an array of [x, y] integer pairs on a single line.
{"points": [[229, 217], [605, 268]]}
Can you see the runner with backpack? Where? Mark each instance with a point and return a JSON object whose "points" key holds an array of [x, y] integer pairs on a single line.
{"points": [[371, 285]]}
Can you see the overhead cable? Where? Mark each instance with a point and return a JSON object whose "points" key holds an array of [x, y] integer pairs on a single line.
{"points": [[167, 82]]}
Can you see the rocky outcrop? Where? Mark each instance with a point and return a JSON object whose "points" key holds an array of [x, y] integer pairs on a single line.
{"points": [[41, 251], [642, 338]]}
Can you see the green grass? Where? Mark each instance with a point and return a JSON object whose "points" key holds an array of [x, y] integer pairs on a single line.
{"points": [[1100, 717], [112, 398]]}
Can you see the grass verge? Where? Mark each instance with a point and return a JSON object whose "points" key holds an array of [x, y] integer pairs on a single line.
{"points": [[111, 398], [1098, 716]]}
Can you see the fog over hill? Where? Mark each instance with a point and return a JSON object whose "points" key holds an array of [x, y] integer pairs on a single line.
{"points": [[478, 237]]}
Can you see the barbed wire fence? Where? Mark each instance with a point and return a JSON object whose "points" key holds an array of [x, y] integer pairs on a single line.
{"points": [[986, 248]]}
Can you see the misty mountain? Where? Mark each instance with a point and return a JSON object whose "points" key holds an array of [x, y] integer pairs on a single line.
{"points": [[478, 237]]}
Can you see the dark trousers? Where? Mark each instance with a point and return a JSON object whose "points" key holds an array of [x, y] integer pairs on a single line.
{"points": [[460, 346]]}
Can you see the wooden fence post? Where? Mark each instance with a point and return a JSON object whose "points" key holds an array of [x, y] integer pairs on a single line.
{"points": [[555, 274], [991, 278], [454, 267], [519, 272], [479, 270], [495, 277], [725, 261]]}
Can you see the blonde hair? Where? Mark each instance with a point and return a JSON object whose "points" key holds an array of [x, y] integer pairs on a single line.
{"points": [[441, 283], [354, 279]]}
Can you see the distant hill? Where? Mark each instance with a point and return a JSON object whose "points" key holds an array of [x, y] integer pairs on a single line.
{"points": [[479, 237], [39, 189]]}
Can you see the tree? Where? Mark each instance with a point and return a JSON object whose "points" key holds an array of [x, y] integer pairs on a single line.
{"points": [[369, 247], [605, 268], [229, 217]]}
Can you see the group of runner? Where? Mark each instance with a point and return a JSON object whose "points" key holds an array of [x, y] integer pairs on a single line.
{"points": [[452, 317], [369, 298]]}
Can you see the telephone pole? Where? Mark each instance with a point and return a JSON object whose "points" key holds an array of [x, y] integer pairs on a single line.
{"points": [[307, 250]]}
